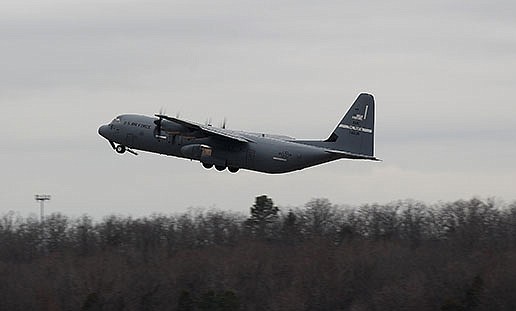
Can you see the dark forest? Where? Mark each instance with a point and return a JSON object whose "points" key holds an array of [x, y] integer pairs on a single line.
{"points": [[405, 255]]}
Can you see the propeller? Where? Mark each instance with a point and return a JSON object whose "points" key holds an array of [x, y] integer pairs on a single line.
{"points": [[157, 130]]}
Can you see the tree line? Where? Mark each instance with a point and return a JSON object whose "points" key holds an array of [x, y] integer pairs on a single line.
{"points": [[449, 256]]}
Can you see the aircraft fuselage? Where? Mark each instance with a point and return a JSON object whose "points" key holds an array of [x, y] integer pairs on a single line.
{"points": [[264, 154], [353, 138]]}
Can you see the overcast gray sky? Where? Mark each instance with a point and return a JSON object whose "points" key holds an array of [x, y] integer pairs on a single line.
{"points": [[442, 73]]}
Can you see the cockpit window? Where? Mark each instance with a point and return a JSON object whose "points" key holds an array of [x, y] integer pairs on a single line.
{"points": [[116, 120]]}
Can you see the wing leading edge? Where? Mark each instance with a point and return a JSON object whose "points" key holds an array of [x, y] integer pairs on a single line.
{"points": [[221, 133]]}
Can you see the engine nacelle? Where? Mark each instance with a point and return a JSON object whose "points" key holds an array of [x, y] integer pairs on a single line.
{"points": [[174, 128]]}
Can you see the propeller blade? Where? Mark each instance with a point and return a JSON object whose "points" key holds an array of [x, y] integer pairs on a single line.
{"points": [[157, 130]]}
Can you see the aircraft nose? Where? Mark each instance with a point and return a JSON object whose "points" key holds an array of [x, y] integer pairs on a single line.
{"points": [[103, 130]]}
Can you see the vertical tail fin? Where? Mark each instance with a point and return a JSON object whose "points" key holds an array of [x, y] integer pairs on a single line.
{"points": [[355, 132]]}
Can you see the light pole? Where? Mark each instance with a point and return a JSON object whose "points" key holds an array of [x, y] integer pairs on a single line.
{"points": [[42, 198]]}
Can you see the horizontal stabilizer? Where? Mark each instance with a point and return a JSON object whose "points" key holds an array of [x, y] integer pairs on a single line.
{"points": [[350, 155]]}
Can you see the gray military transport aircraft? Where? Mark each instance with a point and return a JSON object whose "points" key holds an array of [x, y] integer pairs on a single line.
{"points": [[353, 138]]}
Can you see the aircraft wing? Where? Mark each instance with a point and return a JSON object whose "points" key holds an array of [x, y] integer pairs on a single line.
{"points": [[224, 133], [350, 155], [217, 132]]}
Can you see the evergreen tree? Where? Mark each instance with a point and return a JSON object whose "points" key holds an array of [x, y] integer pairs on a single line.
{"points": [[263, 214]]}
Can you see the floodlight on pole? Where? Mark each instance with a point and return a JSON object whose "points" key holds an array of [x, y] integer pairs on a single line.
{"points": [[42, 198]]}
